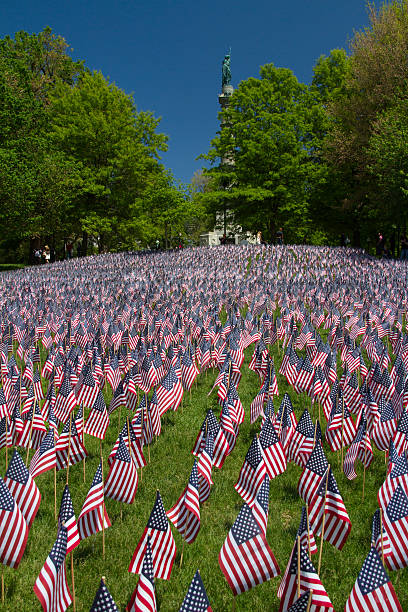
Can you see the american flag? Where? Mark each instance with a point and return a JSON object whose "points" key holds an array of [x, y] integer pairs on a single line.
{"points": [[196, 599], [204, 468], [69, 443], [329, 503], [252, 473], [401, 435], [87, 389], [313, 473], [169, 392], [5, 433], [103, 601], [260, 508], [144, 596], [93, 511], [360, 448], [302, 604], [67, 518], [221, 446], [396, 525], [305, 533], [340, 427], [379, 537], [23, 488], [272, 450], [189, 371], [98, 419], [147, 374], [386, 427], [134, 445], [302, 439], [121, 482], [44, 458], [185, 514], [228, 426], [66, 400], [13, 529], [161, 540], [245, 557], [51, 586], [309, 581], [397, 476], [373, 590], [304, 378]]}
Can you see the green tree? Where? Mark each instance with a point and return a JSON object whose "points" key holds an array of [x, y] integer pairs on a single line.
{"points": [[35, 179], [268, 144], [388, 162], [96, 125], [378, 70]]}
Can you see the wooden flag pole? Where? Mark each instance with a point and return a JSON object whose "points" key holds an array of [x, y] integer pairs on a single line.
{"points": [[309, 603], [55, 484], [73, 580], [298, 566], [308, 530], [382, 541], [314, 437], [323, 521], [69, 444], [83, 432], [2, 585], [365, 455], [6, 442], [342, 430], [30, 434], [184, 538], [148, 426], [103, 513]]}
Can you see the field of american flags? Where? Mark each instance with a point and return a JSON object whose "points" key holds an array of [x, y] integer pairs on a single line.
{"points": [[169, 470]]}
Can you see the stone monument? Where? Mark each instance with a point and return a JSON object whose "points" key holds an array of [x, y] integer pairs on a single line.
{"points": [[225, 219]]}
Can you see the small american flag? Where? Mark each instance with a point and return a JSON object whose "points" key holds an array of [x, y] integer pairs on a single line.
{"points": [[144, 596], [309, 580], [121, 482], [185, 514], [260, 508], [51, 586], [313, 473], [161, 540], [103, 601], [373, 590], [13, 529], [23, 488], [67, 518], [396, 526], [93, 511], [252, 473], [196, 599], [245, 558], [44, 458]]}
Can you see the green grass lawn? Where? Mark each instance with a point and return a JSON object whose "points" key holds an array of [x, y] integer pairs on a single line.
{"points": [[168, 471]]}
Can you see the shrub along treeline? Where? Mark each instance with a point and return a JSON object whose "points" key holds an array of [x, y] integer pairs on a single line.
{"points": [[78, 162], [326, 159]]}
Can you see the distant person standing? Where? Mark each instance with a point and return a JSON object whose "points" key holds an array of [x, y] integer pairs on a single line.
{"points": [[47, 254], [379, 247], [279, 236], [70, 247]]}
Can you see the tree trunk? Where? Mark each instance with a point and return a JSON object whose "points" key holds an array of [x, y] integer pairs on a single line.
{"points": [[84, 249]]}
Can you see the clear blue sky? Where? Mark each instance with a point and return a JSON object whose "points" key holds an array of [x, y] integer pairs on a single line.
{"points": [[169, 53]]}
